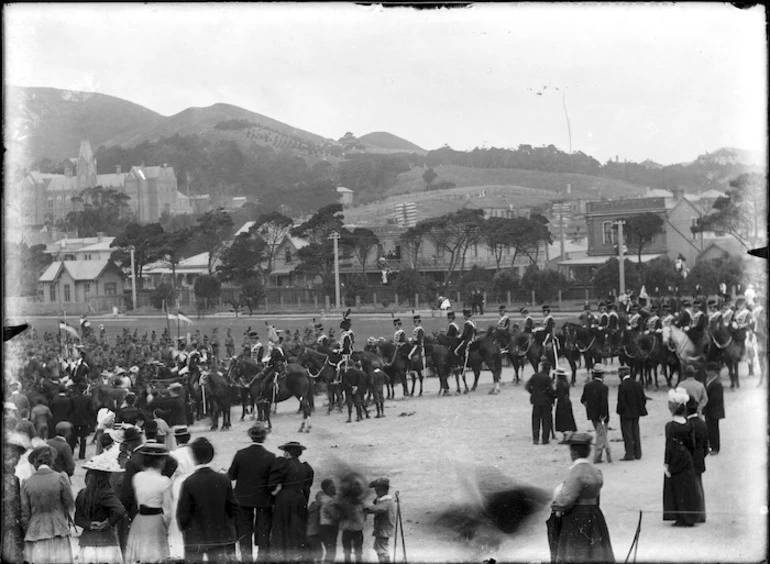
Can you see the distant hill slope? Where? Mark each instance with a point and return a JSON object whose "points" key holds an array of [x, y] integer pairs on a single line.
{"points": [[50, 122], [583, 186], [385, 140], [221, 118]]}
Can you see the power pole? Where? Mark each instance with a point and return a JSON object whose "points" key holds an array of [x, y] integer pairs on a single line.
{"points": [[133, 279], [335, 237], [621, 257]]}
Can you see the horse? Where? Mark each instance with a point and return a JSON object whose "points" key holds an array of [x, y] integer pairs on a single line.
{"points": [[519, 347], [727, 348], [219, 397], [653, 354], [681, 345], [568, 348], [454, 363], [320, 363], [242, 373], [354, 383], [103, 395], [437, 357], [396, 365], [630, 353], [295, 382], [482, 351]]}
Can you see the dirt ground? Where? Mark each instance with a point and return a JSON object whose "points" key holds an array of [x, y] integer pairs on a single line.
{"points": [[432, 447]]}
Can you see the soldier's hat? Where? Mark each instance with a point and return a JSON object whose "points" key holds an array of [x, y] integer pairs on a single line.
{"points": [[416, 318], [380, 483], [686, 303], [345, 324], [523, 310], [602, 304], [450, 314], [467, 312], [318, 325], [726, 301], [740, 301], [546, 307], [578, 439], [712, 302], [666, 307], [253, 334], [611, 305], [587, 307], [501, 308], [396, 321], [634, 307]]}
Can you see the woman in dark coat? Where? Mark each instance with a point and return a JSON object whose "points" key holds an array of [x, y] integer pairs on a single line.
{"points": [[565, 420], [577, 529], [701, 442], [13, 534], [681, 499], [290, 481]]}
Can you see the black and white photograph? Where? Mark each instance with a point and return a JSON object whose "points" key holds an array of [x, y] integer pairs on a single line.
{"points": [[385, 283]]}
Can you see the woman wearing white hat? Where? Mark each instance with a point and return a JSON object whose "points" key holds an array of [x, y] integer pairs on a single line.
{"points": [[97, 511], [681, 498]]}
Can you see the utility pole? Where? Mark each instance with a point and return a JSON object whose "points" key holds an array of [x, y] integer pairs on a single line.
{"points": [[621, 257], [335, 237], [133, 279]]}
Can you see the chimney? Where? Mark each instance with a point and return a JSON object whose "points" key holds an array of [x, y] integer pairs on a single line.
{"points": [[100, 236], [117, 169]]}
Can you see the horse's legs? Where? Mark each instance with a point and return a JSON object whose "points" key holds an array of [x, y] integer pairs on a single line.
{"points": [[413, 375], [419, 375], [404, 384]]}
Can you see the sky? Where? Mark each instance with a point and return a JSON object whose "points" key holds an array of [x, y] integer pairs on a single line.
{"points": [[645, 81]]}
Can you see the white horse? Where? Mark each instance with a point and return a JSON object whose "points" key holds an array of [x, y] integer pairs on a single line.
{"points": [[678, 341]]}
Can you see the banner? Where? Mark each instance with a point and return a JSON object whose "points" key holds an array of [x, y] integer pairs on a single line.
{"points": [[69, 329], [171, 316], [183, 318]]}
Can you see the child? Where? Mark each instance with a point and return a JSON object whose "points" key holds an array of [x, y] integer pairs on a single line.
{"points": [[379, 381], [328, 518], [352, 518], [384, 510], [314, 544]]}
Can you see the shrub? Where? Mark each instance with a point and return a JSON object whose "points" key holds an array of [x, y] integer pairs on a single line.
{"points": [[164, 291]]}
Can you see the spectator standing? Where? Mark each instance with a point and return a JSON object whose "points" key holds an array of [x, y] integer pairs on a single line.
{"points": [[148, 536], [46, 503], [680, 491], [384, 510], [186, 464], [715, 408], [315, 547], [701, 444], [105, 419], [250, 470], [82, 418], [97, 511], [41, 417], [13, 534], [631, 406], [64, 461], [61, 407], [290, 482], [565, 419], [541, 398], [595, 399], [694, 388], [328, 519], [206, 510]]}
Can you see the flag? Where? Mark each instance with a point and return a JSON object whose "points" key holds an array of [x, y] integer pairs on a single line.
{"points": [[183, 318], [643, 293], [171, 316], [272, 335], [69, 329]]}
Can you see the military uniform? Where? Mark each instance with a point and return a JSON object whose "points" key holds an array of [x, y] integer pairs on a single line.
{"points": [[469, 332], [452, 330], [504, 323], [229, 344], [418, 342]]}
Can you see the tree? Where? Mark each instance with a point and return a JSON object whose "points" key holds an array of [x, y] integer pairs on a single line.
{"points": [[207, 287], [360, 241], [411, 240], [104, 210], [639, 231], [709, 274], [453, 233], [242, 261], [317, 259], [321, 224], [213, 228], [503, 282], [410, 282], [273, 228], [429, 176], [660, 273], [252, 292], [146, 241], [741, 213], [165, 293], [545, 283], [497, 233], [607, 277], [171, 246]]}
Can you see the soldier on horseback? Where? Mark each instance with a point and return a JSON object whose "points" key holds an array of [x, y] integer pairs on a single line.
{"points": [[727, 312], [452, 330], [399, 337], [347, 339], [654, 324], [277, 362], [529, 323], [544, 333], [587, 319], [699, 322], [469, 332], [418, 341], [504, 323], [684, 319], [635, 318], [742, 324], [257, 349], [714, 316]]}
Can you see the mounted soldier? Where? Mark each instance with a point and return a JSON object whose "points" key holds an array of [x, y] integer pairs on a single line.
{"points": [[743, 323], [469, 332], [714, 316], [229, 344], [587, 319], [418, 341], [452, 330], [399, 336], [684, 319], [544, 333], [699, 322], [256, 349], [635, 318], [529, 323], [727, 312], [347, 339], [276, 363], [504, 323], [654, 324]]}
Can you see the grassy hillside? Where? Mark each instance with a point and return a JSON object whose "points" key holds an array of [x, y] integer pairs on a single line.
{"points": [[49, 122], [198, 121], [591, 187], [385, 140]]}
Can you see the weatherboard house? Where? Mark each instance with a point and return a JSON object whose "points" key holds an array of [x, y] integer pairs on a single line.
{"points": [[48, 197], [82, 285]]}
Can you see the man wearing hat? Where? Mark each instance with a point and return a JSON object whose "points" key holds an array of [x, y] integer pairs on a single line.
{"points": [[229, 344], [541, 397], [695, 389], [714, 316], [504, 323], [727, 312], [631, 406], [699, 322], [384, 510], [61, 407], [595, 399], [586, 318], [634, 318], [418, 341], [172, 407], [257, 349], [667, 318], [452, 330], [714, 410], [399, 336], [469, 332], [653, 322], [64, 461], [347, 338], [81, 369], [684, 321], [250, 470], [529, 323], [604, 318], [545, 331], [83, 419]]}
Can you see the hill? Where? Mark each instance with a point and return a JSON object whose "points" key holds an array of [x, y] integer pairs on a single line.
{"points": [[223, 121], [390, 142], [50, 122], [582, 185]]}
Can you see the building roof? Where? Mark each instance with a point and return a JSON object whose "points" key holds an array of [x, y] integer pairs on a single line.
{"points": [[245, 228], [713, 194], [103, 246], [61, 183], [597, 260], [79, 269], [298, 242], [195, 264], [570, 248], [658, 193], [343, 190], [113, 180]]}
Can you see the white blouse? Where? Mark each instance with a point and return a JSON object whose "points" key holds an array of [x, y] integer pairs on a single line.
{"points": [[152, 489]]}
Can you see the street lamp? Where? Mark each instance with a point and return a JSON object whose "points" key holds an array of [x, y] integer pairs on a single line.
{"points": [[335, 237], [133, 278], [621, 256]]}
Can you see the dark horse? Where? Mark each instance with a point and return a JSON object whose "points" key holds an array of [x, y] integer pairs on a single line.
{"points": [[727, 348], [219, 395], [483, 351], [242, 373], [396, 366], [520, 347], [270, 389], [354, 385], [320, 366]]}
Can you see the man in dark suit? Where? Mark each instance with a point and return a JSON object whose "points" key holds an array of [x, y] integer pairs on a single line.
{"points": [[206, 510], [61, 407], [541, 398], [714, 410], [64, 462], [631, 406], [83, 419], [594, 397], [250, 470]]}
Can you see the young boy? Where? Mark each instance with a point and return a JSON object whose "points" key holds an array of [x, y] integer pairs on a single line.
{"points": [[378, 384], [384, 510], [314, 544], [328, 518]]}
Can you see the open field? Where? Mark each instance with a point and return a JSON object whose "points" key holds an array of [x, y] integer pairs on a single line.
{"points": [[429, 445]]}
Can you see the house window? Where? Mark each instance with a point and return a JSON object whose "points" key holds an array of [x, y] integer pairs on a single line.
{"points": [[86, 288], [110, 288], [52, 293], [693, 223], [287, 256], [608, 232], [50, 202], [475, 250], [67, 293]]}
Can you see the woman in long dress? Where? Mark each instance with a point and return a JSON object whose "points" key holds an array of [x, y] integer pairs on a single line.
{"points": [[681, 499], [13, 534], [577, 529], [565, 420], [46, 503], [290, 481], [148, 537], [97, 511]]}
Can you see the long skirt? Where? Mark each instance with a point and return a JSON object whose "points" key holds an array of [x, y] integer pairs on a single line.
{"points": [[100, 555], [701, 517], [565, 421], [147, 540], [584, 536], [681, 498], [48, 551], [175, 539]]}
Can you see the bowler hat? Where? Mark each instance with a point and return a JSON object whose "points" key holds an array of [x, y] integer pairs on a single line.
{"points": [[380, 483], [292, 446], [579, 439], [598, 370], [416, 318], [181, 431], [258, 431], [501, 308]]}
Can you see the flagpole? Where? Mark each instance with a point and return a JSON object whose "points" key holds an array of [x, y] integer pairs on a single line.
{"points": [[168, 323], [66, 337], [177, 320]]}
